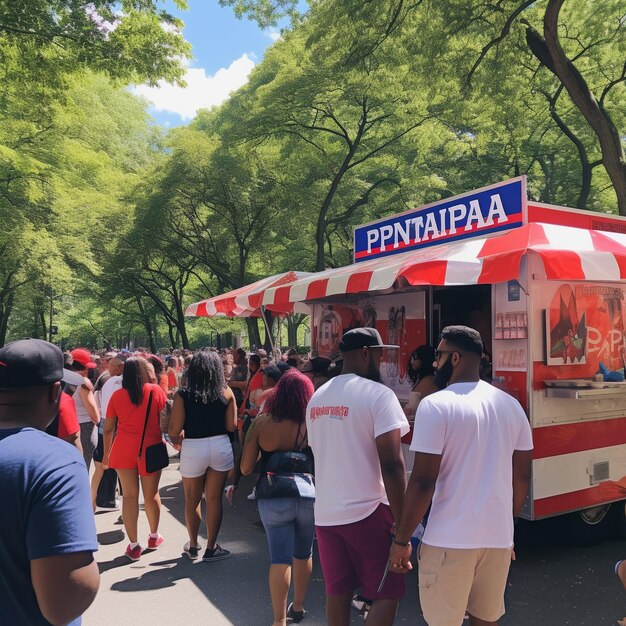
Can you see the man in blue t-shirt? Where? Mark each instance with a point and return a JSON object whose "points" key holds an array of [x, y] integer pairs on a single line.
{"points": [[47, 532]]}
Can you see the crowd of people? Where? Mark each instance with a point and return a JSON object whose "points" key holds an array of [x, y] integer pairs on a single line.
{"points": [[325, 440]]}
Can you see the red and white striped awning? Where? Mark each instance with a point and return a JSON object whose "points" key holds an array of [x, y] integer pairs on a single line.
{"points": [[567, 254], [245, 301]]}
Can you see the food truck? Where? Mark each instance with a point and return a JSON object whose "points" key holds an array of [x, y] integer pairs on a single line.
{"points": [[545, 287]]}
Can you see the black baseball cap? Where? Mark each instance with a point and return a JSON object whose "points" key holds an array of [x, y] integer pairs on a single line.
{"points": [[271, 370], [33, 363], [283, 366], [358, 338]]}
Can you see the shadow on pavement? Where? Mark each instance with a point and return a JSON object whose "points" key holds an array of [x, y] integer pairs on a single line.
{"points": [[118, 561], [224, 583], [111, 536], [168, 573]]}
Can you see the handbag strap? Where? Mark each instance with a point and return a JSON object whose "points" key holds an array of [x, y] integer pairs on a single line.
{"points": [[299, 444], [145, 424]]}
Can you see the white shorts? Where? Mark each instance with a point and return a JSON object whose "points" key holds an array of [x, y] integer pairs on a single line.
{"points": [[199, 455]]}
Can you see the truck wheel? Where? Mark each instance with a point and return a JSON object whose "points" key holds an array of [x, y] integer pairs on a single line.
{"points": [[594, 525]]}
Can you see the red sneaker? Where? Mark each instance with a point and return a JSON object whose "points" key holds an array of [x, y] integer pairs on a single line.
{"points": [[133, 553], [155, 542]]}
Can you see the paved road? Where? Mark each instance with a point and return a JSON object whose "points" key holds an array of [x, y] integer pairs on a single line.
{"points": [[550, 583]]}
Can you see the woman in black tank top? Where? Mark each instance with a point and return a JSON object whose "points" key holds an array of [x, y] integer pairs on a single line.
{"points": [[279, 435], [203, 414]]}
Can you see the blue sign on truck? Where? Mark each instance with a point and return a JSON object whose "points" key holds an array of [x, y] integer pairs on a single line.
{"points": [[488, 210]]}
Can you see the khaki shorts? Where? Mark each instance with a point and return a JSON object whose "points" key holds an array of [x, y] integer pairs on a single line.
{"points": [[452, 581]]}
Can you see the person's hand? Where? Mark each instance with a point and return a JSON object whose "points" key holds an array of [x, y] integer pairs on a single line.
{"points": [[400, 558], [105, 462]]}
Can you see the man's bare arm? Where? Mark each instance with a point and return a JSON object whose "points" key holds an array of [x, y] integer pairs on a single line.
{"points": [[392, 468], [74, 440], [418, 496], [419, 493], [522, 463], [65, 585]]}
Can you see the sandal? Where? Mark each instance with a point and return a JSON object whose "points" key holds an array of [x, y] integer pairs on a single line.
{"points": [[229, 492], [362, 605]]}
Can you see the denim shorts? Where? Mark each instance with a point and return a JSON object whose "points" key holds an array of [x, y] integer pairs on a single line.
{"points": [[289, 525]]}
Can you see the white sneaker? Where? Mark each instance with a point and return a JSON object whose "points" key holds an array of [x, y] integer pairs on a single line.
{"points": [[252, 494]]}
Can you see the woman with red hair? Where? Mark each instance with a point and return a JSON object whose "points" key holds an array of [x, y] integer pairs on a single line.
{"points": [[279, 434]]}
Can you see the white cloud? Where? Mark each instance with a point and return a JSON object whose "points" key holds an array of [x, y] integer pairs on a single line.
{"points": [[201, 92], [273, 34]]}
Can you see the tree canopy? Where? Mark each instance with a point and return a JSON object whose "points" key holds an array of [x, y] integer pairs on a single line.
{"points": [[363, 108]]}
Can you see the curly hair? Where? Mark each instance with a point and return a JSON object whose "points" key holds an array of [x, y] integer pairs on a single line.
{"points": [[205, 377], [426, 355], [290, 397]]}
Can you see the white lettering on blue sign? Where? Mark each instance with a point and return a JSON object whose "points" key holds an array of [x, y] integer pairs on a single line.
{"points": [[420, 229]]}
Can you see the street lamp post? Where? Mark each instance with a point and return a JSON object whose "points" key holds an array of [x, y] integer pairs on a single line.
{"points": [[52, 329]]}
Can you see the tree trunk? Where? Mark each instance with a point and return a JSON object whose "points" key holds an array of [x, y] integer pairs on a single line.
{"points": [[5, 314], [269, 336], [254, 336], [148, 325], [170, 332], [292, 332], [561, 66], [151, 340], [42, 321], [586, 167], [181, 328]]}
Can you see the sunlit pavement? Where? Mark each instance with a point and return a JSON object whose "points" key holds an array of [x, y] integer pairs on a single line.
{"points": [[550, 584]]}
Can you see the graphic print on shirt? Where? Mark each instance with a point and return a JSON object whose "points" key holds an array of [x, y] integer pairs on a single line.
{"points": [[334, 412]]}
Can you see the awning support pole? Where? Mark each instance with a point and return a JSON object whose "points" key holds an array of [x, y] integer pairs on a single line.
{"points": [[268, 330]]}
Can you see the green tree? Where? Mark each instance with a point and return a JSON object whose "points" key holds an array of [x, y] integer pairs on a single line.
{"points": [[62, 191], [344, 127], [133, 40]]}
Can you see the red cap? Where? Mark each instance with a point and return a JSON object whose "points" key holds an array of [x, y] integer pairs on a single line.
{"points": [[82, 356]]}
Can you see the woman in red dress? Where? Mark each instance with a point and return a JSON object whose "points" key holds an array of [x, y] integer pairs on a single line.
{"points": [[127, 411]]}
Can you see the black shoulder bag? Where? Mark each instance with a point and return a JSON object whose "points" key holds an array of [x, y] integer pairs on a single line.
{"points": [[156, 455], [287, 474]]}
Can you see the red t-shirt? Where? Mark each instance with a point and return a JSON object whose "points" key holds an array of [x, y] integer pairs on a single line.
{"points": [[68, 420], [131, 417], [256, 382], [172, 379]]}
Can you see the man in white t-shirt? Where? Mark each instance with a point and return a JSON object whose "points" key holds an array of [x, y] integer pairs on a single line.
{"points": [[354, 426], [473, 452]]}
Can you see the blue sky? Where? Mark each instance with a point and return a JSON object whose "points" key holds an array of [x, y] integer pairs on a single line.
{"points": [[225, 50]]}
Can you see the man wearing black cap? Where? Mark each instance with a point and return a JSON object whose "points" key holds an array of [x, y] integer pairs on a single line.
{"points": [[354, 426], [47, 533]]}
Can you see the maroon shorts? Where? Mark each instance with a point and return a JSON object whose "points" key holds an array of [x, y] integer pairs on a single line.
{"points": [[355, 555]]}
